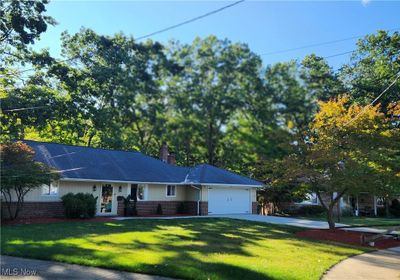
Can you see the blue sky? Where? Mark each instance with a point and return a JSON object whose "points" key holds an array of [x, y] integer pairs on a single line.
{"points": [[266, 26]]}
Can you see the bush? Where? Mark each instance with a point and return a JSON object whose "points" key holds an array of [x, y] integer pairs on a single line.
{"points": [[159, 209], [346, 212], [381, 211], [310, 210], [80, 205], [395, 208], [181, 209]]}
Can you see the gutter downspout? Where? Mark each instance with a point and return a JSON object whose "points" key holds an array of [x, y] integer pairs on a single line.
{"points": [[198, 198]]}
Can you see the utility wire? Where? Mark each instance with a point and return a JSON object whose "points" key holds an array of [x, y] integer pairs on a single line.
{"points": [[24, 109], [338, 54], [373, 101], [318, 44], [189, 20], [33, 68]]}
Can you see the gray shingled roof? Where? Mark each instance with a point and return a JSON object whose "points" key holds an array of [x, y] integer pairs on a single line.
{"points": [[95, 164]]}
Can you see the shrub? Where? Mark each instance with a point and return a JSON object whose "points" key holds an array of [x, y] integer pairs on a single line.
{"points": [[346, 212], [310, 210], [159, 209], [381, 212], [395, 208], [80, 205], [181, 208]]}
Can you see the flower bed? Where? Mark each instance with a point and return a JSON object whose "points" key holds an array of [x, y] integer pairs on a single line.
{"points": [[347, 237]]}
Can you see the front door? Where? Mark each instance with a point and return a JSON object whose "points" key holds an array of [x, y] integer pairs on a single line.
{"points": [[106, 199]]}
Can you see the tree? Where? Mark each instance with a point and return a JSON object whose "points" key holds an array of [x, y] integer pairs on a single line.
{"points": [[106, 92], [320, 81], [372, 67], [341, 154], [21, 22], [20, 174], [216, 78]]}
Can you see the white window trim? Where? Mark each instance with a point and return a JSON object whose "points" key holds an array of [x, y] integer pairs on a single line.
{"points": [[166, 191], [54, 184]]}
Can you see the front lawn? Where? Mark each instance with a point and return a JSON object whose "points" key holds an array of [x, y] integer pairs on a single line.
{"points": [[184, 248]]}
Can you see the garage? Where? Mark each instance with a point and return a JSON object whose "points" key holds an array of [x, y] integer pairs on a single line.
{"points": [[229, 200]]}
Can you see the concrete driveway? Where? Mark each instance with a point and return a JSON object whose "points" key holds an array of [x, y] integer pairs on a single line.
{"points": [[21, 268], [278, 220], [250, 217]]}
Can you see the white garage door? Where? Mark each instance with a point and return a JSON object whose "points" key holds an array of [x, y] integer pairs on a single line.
{"points": [[228, 200]]}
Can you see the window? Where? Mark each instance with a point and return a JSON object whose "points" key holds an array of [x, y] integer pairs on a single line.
{"points": [[171, 190], [50, 189], [138, 191]]}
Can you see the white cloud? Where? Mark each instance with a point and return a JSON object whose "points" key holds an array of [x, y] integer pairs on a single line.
{"points": [[365, 2]]}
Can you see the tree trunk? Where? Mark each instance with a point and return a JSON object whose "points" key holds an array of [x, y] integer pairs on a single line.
{"points": [[387, 208], [18, 204], [210, 144], [7, 197], [330, 218], [89, 142]]}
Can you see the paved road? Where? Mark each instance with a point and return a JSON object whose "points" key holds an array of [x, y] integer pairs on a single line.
{"points": [[378, 265], [56, 270]]}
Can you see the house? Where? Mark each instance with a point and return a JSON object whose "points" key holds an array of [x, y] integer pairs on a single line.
{"points": [[111, 174], [362, 204]]}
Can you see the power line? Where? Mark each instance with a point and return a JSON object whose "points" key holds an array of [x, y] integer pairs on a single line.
{"points": [[338, 54], [318, 44], [24, 109], [189, 20], [33, 68], [373, 101]]}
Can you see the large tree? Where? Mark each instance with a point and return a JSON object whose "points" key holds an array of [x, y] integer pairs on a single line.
{"points": [[106, 91], [217, 78], [20, 174]]}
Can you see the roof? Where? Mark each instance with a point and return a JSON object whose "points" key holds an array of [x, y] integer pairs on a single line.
{"points": [[86, 163], [208, 174]]}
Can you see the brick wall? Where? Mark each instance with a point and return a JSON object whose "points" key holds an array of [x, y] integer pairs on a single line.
{"points": [[254, 205], [36, 210], [148, 208], [203, 208]]}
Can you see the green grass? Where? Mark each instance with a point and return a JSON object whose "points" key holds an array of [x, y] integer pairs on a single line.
{"points": [[183, 248], [360, 221]]}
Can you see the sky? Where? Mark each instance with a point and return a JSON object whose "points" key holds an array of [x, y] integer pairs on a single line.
{"points": [[266, 26]]}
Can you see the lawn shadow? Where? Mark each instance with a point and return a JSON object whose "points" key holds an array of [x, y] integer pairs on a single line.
{"points": [[186, 255]]}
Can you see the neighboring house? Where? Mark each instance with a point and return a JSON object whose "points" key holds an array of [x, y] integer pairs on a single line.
{"points": [[109, 174], [363, 204]]}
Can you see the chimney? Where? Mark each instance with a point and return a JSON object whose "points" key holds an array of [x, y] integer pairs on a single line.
{"points": [[163, 155], [171, 159]]}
